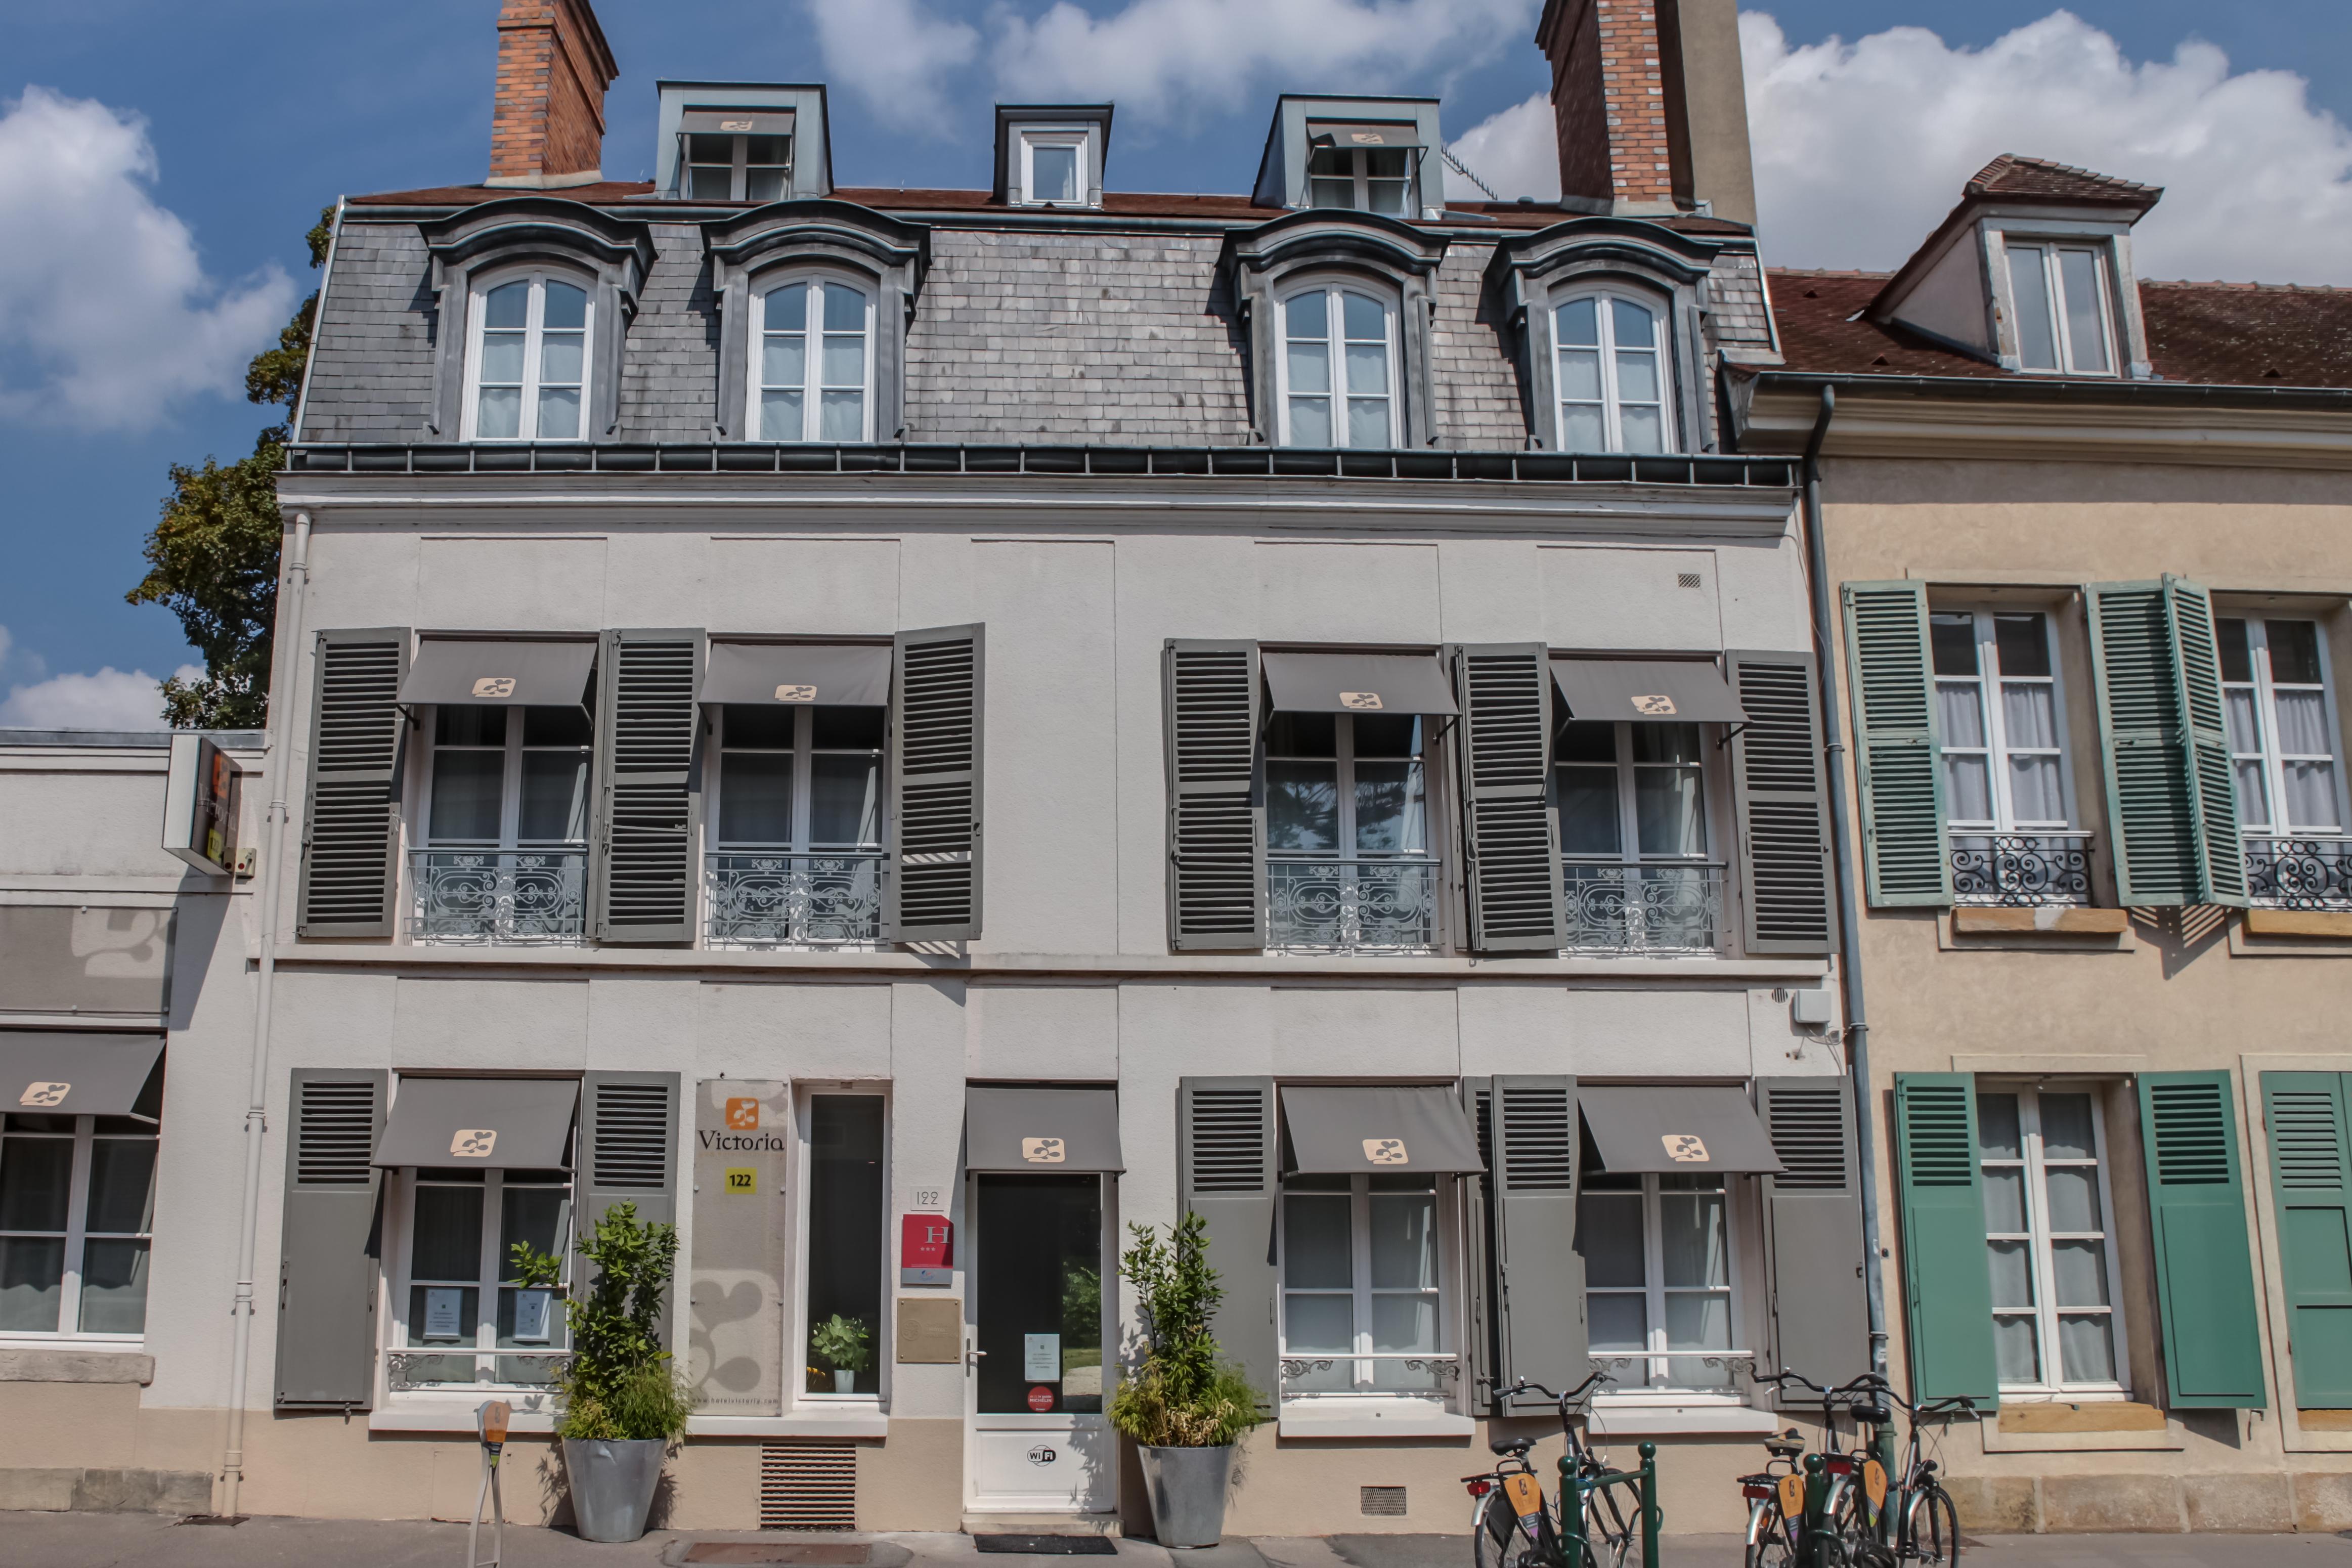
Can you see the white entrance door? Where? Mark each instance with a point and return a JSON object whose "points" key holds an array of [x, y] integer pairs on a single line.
{"points": [[1036, 1439]]}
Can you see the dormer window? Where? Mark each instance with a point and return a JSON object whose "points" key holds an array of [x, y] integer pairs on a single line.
{"points": [[1051, 155], [1361, 179], [736, 156], [530, 363], [2060, 294], [815, 368], [1615, 386], [1338, 369], [1053, 168]]}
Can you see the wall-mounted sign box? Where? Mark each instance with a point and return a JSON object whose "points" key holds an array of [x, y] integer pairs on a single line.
{"points": [[200, 808], [926, 1249]]}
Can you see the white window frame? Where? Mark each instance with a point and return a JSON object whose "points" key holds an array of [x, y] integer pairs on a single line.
{"points": [[1079, 139], [796, 1326], [509, 791], [1362, 1395], [78, 1233], [1628, 769], [2043, 252], [1612, 404], [1335, 341], [1997, 751], [1361, 179], [1343, 761], [2038, 1238], [739, 166], [1654, 1290], [803, 753], [2265, 688], [478, 311], [813, 385], [400, 1226]]}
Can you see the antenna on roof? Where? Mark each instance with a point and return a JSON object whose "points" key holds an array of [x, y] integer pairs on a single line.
{"points": [[1455, 165]]}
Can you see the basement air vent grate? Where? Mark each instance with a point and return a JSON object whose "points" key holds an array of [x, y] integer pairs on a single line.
{"points": [[1383, 1502], [1688, 580], [808, 1486]]}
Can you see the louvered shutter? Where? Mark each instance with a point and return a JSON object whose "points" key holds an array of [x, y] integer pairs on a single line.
{"points": [[1782, 806], [2208, 1316], [1509, 839], [1481, 1336], [1813, 1211], [1947, 1280], [1901, 780], [1216, 817], [640, 861], [933, 890], [626, 1154], [1225, 1172], [351, 826], [2166, 762], [1539, 1272], [2310, 1189], [326, 1281]]}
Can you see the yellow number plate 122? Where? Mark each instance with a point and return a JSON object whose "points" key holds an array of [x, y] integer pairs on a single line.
{"points": [[742, 1180]]}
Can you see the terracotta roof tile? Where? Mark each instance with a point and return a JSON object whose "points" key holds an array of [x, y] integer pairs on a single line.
{"points": [[2013, 176]]}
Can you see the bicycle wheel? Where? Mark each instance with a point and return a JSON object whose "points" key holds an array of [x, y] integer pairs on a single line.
{"points": [[1499, 1542], [1611, 1528], [1773, 1547], [1931, 1530]]}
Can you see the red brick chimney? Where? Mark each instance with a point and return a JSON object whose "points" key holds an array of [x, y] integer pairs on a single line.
{"points": [[1650, 105], [547, 123]]}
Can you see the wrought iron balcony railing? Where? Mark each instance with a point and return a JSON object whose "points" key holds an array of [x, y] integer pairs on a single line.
{"points": [[1650, 908], [1350, 906], [1369, 1371], [499, 895], [2307, 872], [768, 898], [2020, 870]]}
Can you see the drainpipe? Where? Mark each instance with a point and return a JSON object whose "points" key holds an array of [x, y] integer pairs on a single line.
{"points": [[1857, 1017], [281, 768]]}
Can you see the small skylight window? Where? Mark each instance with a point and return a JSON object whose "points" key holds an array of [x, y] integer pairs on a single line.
{"points": [[1054, 168]]}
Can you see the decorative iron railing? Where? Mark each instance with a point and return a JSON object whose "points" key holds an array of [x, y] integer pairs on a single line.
{"points": [[1630, 1370], [1649, 908], [2301, 873], [763, 897], [1373, 1372], [432, 1366], [1347, 906], [499, 895], [2020, 870]]}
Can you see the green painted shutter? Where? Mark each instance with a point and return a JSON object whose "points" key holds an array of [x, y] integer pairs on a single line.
{"points": [[1781, 801], [1541, 1309], [932, 892], [351, 817], [1225, 1174], [642, 867], [1901, 778], [2166, 762], [2311, 1185], [1509, 837], [2204, 1269], [1216, 815], [1946, 1281]]}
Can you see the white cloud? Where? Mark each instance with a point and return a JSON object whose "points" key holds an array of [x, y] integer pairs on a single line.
{"points": [[106, 316], [110, 699], [1861, 148], [1516, 151], [893, 53]]}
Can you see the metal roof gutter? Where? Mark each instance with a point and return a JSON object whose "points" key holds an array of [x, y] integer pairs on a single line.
{"points": [[2056, 389]]}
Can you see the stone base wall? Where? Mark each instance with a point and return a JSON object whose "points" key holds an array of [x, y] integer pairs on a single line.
{"points": [[2315, 1502]]}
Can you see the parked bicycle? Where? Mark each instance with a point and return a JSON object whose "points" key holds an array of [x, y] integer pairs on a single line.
{"points": [[1512, 1526], [1841, 1506], [1920, 1523]]}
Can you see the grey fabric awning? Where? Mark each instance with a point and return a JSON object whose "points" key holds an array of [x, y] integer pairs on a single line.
{"points": [[737, 122], [496, 1124], [1336, 133], [1358, 683], [1660, 690], [504, 670], [1666, 1127], [1042, 1130], [1341, 1129], [71, 1073], [845, 674]]}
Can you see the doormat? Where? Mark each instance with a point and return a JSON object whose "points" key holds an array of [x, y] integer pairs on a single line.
{"points": [[1048, 1545], [801, 1555]]}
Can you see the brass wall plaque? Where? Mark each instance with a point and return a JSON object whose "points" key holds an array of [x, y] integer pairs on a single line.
{"points": [[931, 1330]]}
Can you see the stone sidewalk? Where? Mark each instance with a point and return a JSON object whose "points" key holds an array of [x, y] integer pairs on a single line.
{"points": [[150, 1540]]}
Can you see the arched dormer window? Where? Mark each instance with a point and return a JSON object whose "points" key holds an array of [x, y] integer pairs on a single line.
{"points": [[1339, 368], [1614, 374], [812, 378], [527, 367]]}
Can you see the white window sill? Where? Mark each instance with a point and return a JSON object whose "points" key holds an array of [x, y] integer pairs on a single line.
{"points": [[1667, 1420], [862, 1420], [1346, 1417], [532, 1413]]}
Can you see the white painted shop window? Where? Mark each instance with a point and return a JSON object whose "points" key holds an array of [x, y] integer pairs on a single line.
{"points": [[1613, 375], [1337, 373], [527, 364], [844, 1245], [1369, 1302], [2056, 1311], [812, 363], [2059, 292], [76, 1223], [459, 1319], [2281, 722]]}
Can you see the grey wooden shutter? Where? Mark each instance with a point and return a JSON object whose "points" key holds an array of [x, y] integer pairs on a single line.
{"points": [[1481, 1335], [350, 827], [326, 1281], [1813, 1213], [1901, 778], [1216, 816], [1538, 1271], [1783, 803], [2166, 763], [1510, 840], [1225, 1173], [641, 859], [626, 1154], [933, 893]]}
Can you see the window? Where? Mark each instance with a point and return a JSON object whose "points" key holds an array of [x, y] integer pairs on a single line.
{"points": [[1658, 1268], [1613, 381], [2282, 726], [1361, 179], [2060, 295], [1361, 1305], [531, 360], [1997, 705], [842, 1262], [1632, 799], [722, 168], [462, 1229], [509, 776], [2046, 1202], [77, 1219], [815, 361], [797, 851], [1338, 369], [1054, 169], [1346, 832]]}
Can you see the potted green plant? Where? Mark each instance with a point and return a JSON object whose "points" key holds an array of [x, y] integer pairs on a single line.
{"points": [[624, 1404], [1184, 1403], [845, 1344]]}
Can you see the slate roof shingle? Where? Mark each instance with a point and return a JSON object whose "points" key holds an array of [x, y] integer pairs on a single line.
{"points": [[2014, 177]]}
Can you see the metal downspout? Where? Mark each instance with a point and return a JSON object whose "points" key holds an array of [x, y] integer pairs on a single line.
{"points": [[1857, 1017], [281, 768]]}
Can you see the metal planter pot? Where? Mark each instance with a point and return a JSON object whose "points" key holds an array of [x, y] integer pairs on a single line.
{"points": [[612, 1484], [1188, 1493]]}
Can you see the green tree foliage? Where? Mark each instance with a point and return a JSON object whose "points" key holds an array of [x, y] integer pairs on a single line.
{"points": [[1184, 1394], [212, 559], [619, 1382]]}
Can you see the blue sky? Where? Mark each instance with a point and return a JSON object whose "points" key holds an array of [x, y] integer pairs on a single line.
{"points": [[259, 111]]}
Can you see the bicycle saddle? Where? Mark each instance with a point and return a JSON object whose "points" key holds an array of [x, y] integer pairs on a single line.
{"points": [[1515, 1448], [1784, 1448]]}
